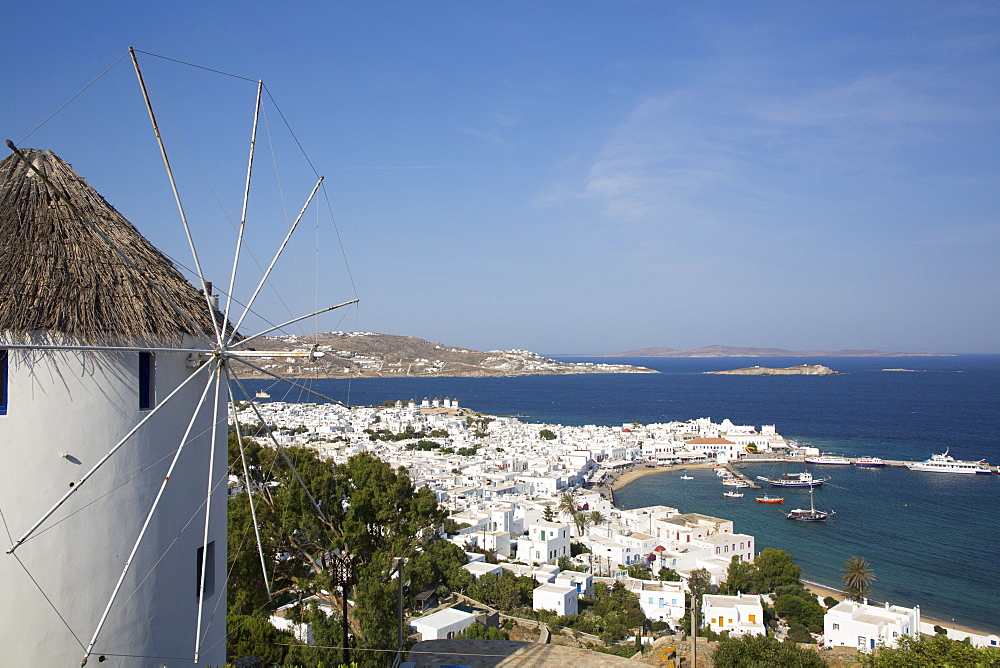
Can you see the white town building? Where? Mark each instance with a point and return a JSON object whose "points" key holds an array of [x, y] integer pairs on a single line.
{"points": [[563, 600], [853, 624], [443, 624], [740, 615]]}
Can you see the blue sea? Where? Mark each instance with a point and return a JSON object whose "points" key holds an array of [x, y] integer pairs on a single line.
{"points": [[931, 538]]}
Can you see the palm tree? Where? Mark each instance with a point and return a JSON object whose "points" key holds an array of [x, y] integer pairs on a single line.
{"points": [[567, 504], [858, 575], [582, 521], [596, 517]]}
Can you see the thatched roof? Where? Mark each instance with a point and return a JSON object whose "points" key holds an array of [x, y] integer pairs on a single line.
{"points": [[58, 275]]}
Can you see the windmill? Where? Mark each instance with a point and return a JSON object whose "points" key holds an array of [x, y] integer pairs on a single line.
{"points": [[115, 373]]}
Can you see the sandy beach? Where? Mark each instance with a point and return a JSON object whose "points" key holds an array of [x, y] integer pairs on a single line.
{"points": [[626, 477]]}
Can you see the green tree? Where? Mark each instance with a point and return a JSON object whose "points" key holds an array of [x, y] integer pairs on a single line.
{"points": [[548, 514], [858, 576], [326, 634], [668, 575], [638, 571], [763, 652], [547, 434], [254, 636], [699, 583], [930, 651], [741, 577], [776, 568], [477, 631], [596, 517], [796, 605], [504, 591], [567, 505], [371, 513], [582, 520]]}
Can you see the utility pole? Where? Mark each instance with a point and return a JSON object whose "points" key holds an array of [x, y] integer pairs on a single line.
{"points": [[400, 562], [694, 630]]}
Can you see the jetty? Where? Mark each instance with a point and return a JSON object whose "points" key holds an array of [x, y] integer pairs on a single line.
{"points": [[739, 475]]}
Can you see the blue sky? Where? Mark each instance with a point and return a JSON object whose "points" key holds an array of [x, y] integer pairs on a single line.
{"points": [[581, 177]]}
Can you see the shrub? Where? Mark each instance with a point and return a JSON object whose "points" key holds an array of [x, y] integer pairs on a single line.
{"points": [[763, 651], [799, 633]]}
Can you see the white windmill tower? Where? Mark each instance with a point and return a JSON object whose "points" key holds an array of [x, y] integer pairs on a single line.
{"points": [[114, 378], [77, 275]]}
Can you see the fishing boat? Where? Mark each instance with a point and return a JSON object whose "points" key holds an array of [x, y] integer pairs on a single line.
{"points": [[732, 494], [828, 459], [687, 477], [770, 499], [262, 395], [803, 479], [869, 463], [811, 515], [945, 463]]}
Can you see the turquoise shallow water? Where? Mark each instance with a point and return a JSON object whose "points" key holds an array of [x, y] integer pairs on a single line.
{"points": [[930, 537]]}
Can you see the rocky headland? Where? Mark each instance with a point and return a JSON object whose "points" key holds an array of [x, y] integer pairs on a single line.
{"points": [[800, 370], [735, 351], [371, 355]]}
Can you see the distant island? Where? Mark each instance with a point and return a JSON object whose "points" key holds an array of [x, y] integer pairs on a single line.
{"points": [[371, 355], [800, 370], [731, 351]]}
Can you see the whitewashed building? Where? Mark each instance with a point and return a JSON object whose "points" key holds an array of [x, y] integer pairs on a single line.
{"points": [[582, 582], [546, 542], [740, 615], [563, 600], [443, 624], [865, 626], [660, 601]]}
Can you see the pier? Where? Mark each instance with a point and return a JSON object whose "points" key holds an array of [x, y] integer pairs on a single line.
{"points": [[739, 475], [889, 463]]}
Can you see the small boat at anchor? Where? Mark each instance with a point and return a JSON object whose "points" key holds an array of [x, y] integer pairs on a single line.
{"points": [[770, 499], [687, 477], [732, 494]]}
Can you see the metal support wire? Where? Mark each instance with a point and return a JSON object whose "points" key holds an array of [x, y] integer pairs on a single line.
{"points": [[246, 483]]}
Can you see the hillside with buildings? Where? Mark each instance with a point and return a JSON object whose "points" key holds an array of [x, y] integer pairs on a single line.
{"points": [[530, 503], [371, 355]]}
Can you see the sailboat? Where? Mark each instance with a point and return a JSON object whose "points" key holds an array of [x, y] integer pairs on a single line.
{"points": [[811, 515]]}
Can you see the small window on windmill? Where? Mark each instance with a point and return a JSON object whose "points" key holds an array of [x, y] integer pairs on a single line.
{"points": [[209, 564], [147, 367], [3, 382]]}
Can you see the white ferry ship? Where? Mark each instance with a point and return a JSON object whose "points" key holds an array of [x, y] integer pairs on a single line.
{"points": [[947, 464], [828, 458], [869, 462]]}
